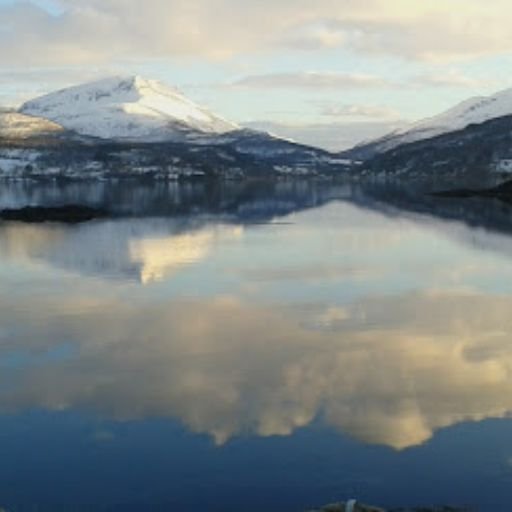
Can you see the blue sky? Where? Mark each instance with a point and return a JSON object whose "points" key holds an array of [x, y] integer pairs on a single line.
{"points": [[371, 62]]}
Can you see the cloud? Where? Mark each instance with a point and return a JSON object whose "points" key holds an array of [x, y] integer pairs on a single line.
{"points": [[361, 111], [311, 80], [452, 78], [349, 81], [313, 37], [94, 31]]}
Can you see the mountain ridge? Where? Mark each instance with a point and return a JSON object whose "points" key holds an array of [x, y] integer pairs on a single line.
{"points": [[475, 110]]}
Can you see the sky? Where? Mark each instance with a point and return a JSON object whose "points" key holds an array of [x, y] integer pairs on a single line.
{"points": [[330, 69]]}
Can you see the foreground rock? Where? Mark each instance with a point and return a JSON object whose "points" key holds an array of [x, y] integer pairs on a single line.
{"points": [[348, 507], [68, 214], [360, 507]]}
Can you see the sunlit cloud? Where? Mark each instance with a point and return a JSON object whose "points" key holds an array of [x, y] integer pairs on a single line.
{"points": [[93, 31]]}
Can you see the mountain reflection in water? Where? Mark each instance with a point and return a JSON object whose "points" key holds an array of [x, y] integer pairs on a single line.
{"points": [[387, 327]]}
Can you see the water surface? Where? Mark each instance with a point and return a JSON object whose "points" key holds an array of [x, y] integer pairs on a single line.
{"points": [[269, 347]]}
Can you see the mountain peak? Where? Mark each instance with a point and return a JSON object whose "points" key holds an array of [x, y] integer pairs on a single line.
{"points": [[126, 107]]}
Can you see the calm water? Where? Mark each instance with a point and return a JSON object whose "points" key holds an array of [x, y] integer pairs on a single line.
{"points": [[271, 347]]}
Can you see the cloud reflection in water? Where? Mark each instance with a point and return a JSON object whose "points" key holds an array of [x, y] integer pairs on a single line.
{"points": [[388, 371]]}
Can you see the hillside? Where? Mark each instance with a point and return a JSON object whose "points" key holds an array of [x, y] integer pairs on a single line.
{"points": [[15, 125], [472, 111], [479, 154]]}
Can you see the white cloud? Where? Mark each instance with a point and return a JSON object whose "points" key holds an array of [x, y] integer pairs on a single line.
{"points": [[92, 31], [361, 111], [452, 78], [311, 79]]}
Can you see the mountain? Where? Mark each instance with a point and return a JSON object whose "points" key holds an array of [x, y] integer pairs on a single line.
{"points": [[478, 155], [129, 109], [472, 111], [133, 127]]}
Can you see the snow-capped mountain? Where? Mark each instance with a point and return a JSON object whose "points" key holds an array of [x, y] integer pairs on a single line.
{"points": [[127, 108], [479, 156], [16, 125], [472, 111], [134, 127]]}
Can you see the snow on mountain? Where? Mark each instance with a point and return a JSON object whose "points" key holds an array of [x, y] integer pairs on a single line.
{"points": [[129, 108], [472, 111], [16, 125]]}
